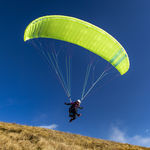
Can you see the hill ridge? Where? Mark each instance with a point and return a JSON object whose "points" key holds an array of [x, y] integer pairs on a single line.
{"points": [[21, 137]]}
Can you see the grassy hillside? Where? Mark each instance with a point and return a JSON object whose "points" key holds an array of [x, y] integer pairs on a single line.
{"points": [[19, 137]]}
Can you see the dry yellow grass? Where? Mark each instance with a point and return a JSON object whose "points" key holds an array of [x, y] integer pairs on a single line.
{"points": [[19, 137]]}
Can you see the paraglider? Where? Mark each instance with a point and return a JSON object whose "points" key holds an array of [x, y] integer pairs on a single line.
{"points": [[83, 34], [73, 109]]}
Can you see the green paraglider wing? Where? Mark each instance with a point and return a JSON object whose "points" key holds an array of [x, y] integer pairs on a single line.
{"points": [[81, 33]]}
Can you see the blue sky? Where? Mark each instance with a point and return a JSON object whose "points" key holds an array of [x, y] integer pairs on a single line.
{"points": [[30, 93]]}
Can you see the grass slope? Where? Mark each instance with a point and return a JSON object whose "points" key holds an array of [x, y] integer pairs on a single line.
{"points": [[20, 137]]}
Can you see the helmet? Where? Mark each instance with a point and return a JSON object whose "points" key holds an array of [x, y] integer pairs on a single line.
{"points": [[79, 101]]}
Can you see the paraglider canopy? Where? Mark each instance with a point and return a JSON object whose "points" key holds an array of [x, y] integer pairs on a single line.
{"points": [[81, 33]]}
